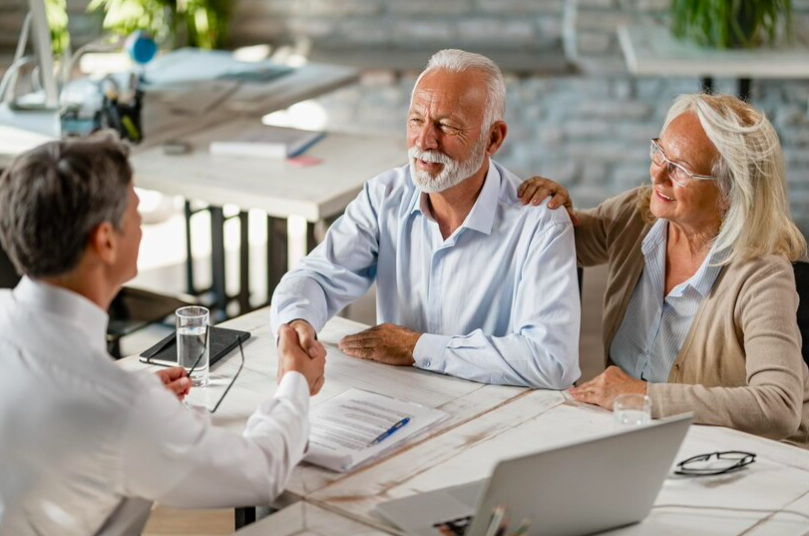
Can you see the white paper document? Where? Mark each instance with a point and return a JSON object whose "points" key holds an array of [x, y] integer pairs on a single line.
{"points": [[344, 428]]}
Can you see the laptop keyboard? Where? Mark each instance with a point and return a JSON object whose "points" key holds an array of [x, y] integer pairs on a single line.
{"points": [[455, 527]]}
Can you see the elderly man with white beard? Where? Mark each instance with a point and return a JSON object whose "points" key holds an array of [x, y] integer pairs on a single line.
{"points": [[469, 282]]}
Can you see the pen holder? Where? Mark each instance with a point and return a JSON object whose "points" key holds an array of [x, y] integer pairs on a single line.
{"points": [[125, 118]]}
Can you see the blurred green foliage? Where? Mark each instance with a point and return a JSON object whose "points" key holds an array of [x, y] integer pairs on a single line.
{"points": [[173, 23], [732, 23]]}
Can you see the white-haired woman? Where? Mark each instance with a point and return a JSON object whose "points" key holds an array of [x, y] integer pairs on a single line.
{"points": [[700, 306]]}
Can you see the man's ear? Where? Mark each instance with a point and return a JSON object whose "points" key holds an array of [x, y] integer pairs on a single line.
{"points": [[103, 242], [497, 135]]}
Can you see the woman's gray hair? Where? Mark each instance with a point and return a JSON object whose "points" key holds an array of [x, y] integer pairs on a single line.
{"points": [[458, 61], [750, 175], [53, 196]]}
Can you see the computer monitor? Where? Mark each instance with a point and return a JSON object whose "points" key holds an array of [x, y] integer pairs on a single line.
{"points": [[41, 37], [37, 112]]}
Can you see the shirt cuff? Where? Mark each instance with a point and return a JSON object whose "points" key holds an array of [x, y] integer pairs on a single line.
{"points": [[289, 315], [429, 352], [294, 387]]}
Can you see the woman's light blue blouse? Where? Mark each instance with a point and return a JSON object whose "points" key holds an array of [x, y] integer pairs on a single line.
{"points": [[655, 326]]}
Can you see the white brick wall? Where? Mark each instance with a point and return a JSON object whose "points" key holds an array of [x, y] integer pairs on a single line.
{"points": [[522, 24], [590, 131]]}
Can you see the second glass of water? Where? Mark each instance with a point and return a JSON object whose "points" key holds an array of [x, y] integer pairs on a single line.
{"points": [[632, 409], [193, 350]]}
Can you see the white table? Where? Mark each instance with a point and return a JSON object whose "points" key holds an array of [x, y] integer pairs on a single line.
{"points": [[489, 423], [652, 50], [14, 141], [306, 519], [162, 121], [463, 400], [277, 187], [273, 185], [778, 480], [315, 193], [255, 183]]}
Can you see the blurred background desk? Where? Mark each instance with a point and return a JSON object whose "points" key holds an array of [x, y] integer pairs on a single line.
{"points": [[315, 193], [281, 189], [650, 50]]}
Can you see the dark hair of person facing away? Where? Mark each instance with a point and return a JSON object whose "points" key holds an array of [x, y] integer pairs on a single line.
{"points": [[52, 196]]}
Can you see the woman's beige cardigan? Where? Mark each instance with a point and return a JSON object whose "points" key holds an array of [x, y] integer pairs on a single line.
{"points": [[740, 365]]}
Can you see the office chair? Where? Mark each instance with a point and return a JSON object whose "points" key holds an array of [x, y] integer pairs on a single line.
{"points": [[802, 284]]}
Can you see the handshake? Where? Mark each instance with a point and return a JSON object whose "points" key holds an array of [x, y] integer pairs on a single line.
{"points": [[300, 351]]}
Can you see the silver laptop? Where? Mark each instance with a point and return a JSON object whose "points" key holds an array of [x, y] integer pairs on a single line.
{"points": [[577, 488]]}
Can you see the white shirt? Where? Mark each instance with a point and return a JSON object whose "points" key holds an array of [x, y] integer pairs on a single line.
{"points": [[84, 444], [496, 302]]}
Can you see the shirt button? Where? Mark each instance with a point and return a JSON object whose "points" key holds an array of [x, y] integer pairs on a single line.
{"points": [[426, 362]]}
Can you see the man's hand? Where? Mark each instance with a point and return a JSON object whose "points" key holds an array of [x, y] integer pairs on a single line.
{"points": [[307, 338], [535, 189], [604, 388], [176, 380], [386, 343], [291, 357]]}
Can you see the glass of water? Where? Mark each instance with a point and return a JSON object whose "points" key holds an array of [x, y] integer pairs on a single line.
{"points": [[193, 350], [632, 409]]}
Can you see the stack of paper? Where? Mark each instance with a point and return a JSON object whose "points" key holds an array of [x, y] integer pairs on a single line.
{"points": [[267, 142], [343, 429]]}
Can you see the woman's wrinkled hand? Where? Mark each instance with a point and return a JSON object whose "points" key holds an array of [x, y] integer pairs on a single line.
{"points": [[604, 388], [536, 189]]}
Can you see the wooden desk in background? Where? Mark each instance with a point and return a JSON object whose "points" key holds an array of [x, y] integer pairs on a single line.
{"points": [[276, 187]]}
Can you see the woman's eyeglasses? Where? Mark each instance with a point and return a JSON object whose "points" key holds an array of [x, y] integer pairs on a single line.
{"points": [[676, 172], [715, 463]]}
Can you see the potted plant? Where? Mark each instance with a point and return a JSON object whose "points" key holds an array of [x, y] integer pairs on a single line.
{"points": [[197, 23], [732, 23]]}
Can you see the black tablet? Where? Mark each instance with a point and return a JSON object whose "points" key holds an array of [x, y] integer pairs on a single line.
{"points": [[222, 341]]}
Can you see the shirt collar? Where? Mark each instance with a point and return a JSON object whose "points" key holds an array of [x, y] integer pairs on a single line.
{"points": [[655, 238], [481, 217], [702, 281], [69, 306]]}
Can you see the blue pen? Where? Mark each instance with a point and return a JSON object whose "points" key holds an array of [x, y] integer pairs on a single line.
{"points": [[390, 431]]}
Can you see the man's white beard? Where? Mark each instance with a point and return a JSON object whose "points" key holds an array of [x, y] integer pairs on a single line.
{"points": [[453, 172]]}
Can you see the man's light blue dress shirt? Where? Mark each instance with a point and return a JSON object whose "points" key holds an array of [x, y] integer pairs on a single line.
{"points": [[654, 327], [497, 301]]}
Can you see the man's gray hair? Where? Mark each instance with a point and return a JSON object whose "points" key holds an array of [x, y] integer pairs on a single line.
{"points": [[457, 61], [53, 196]]}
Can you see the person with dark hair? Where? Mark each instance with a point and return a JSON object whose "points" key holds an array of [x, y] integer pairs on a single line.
{"points": [[85, 446]]}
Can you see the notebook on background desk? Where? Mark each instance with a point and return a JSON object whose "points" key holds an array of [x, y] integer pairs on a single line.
{"points": [[222, 342], [267, 142]]}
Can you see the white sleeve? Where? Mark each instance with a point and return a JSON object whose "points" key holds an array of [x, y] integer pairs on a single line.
{"points": [[177, 457]]}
